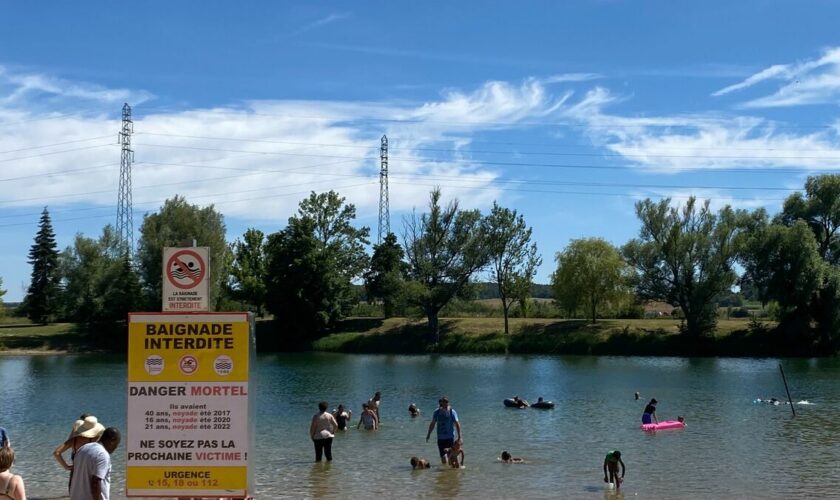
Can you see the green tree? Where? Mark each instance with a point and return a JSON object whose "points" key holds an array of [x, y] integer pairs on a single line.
{"points": [[385, 279], [820, 209], [176, 223], [513, 257], [42, 298], [312, 262], [782, 263], [444, 247], [99, 285], [590, 272], [248, 269], [685, 258]]}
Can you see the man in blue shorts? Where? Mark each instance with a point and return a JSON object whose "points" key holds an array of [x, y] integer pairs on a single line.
{"points": [[447, 423]]}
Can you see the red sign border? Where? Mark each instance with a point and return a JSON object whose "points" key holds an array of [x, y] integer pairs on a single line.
{"points": [[197, 257]]}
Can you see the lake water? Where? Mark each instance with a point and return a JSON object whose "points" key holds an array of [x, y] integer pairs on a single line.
{"points": [[732, 448]]}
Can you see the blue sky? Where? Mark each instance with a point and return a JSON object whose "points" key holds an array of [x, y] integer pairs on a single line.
{"points": [[568, 111]]}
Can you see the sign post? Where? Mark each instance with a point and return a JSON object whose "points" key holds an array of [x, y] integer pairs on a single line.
{"points": [[185, 278], [190, 417]]}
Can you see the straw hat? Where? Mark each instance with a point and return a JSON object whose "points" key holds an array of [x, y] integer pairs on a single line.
{"points": [[76, 425], [88, 428]]}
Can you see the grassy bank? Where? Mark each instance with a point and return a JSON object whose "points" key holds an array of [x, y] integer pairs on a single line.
{"points": [[649, 337], [20, 335]]}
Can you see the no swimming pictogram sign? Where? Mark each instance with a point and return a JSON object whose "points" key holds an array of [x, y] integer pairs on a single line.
{"points": [[185, 279], [186, 269]]}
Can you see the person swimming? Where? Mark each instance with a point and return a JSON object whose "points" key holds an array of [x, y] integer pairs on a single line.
{"points": [[508, 459], [420, 463], [413, 410]]}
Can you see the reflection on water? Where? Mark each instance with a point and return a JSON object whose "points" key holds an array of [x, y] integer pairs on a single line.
{"points": [[731, 447]]}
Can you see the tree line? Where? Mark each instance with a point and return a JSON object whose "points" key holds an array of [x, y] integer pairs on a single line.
{"points": [[303, 274]]}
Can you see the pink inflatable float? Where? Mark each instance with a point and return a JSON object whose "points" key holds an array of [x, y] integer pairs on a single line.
{"points": [[666, 424]]}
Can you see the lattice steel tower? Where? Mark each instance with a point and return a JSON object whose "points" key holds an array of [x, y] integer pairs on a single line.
{"points": [[125, 214], [384, 214]]}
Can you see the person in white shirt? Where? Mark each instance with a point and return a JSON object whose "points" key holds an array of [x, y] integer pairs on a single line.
{"points": [[92, 468], [322, 430]]}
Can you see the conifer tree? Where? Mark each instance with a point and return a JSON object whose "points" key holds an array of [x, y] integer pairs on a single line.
{"points": [[41, 301]]}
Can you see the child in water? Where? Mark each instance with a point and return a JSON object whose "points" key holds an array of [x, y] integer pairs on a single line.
{"points": [[611, 462], [413, 410], [506, 458], [453, 454], [420, 463]]}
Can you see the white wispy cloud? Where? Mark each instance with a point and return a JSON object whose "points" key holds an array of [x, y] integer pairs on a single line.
{"points": [[706, 141], [331, 18], [258, 159], [22, 86], [571, 77], [813, 81]]}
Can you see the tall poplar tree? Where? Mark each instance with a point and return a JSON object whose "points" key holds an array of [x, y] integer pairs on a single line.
{"points": [[41, 301]]}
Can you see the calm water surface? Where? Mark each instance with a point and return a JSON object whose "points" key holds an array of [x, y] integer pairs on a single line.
{"points": [[731, 448]]}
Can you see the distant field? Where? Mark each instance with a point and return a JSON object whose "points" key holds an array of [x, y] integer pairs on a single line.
{"points": [[485, 335]]}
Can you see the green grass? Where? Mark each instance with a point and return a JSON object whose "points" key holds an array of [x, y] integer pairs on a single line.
{"points": [[544, 336], [20, 334]]}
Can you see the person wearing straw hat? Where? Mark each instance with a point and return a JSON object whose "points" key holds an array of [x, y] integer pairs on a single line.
{"points": [[91, 478], [73, 442]]}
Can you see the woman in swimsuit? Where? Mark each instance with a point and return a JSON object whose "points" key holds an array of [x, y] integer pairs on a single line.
{"points": [[649, 415], [368, 418], [11, 485]]}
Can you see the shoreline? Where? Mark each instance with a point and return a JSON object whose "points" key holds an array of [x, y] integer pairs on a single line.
{"points": [[362, 335]]}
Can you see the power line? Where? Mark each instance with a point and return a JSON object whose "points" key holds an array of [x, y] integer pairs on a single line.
{"points": [[526, 153], [521, 164], [54, 144], [55, 153], [520, 123]]}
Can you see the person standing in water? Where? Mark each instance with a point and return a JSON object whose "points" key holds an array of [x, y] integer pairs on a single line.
{"points": [[611, 463], [373, 404], [446, 420], [368, 418], [342, 416], [649, 415], [322, 430]]}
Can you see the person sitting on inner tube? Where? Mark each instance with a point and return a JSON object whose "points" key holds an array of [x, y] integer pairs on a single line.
{"points": [[649, 416], [520, 403]]}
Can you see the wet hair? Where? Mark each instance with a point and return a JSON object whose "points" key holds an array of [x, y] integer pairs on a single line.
{"points": [[378, 394], [341, 406], [414, 461], [653, 401], [680, 418], [7, 457], [323, 406], [505, 455], [617, 454]]}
